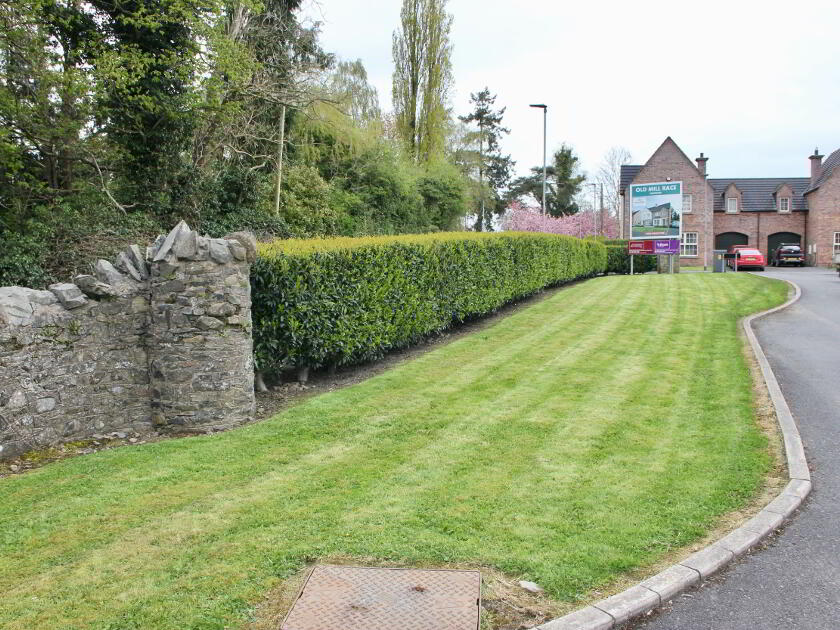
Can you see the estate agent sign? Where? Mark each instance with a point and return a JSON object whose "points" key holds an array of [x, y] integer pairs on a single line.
{"points": [[659, 246], [656, 210]]}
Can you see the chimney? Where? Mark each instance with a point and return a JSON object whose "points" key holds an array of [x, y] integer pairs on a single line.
{"points": [[816, 166], [701, 164]]}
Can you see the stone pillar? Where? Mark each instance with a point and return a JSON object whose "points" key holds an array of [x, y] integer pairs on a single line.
{"points": [[200, 348]]}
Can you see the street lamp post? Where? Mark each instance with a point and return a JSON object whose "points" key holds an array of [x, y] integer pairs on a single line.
{"points": [[594, 209], [545, 118]]}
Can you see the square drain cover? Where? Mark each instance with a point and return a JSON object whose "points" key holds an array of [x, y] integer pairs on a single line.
{"points": [[362, 598]]}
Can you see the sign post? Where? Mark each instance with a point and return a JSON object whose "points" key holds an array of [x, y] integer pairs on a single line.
{"points": [[656, 224]]}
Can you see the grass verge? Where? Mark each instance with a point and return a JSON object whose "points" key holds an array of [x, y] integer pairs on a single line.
{"points": [[556, 446]]}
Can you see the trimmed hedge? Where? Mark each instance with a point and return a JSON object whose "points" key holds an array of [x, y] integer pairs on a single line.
{"points": [[618, 260], [339, 301]]}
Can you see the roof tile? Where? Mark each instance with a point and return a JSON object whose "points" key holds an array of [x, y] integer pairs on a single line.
{"points": [[758, 193]]}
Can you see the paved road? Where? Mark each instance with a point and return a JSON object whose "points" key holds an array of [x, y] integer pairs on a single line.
{"points": [[793, 584]]}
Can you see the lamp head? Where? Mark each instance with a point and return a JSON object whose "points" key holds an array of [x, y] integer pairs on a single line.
{"points": [[540, 105]]}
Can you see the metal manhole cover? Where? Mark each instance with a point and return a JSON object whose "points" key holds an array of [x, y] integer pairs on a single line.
{"points": [[362, 598]]}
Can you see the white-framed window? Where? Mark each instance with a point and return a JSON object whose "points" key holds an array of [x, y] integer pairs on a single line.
{"points": [[688, 244], [732, 204], [784, 204], [836, 243], [686, 203]]}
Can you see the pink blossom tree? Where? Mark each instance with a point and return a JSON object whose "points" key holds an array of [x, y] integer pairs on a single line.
{"points": [[522, 218]]}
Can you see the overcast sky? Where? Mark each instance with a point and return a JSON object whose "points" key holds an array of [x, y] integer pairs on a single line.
{"points": [[755, 85]]}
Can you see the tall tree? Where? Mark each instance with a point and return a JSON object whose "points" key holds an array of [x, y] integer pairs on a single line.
{"points": [[46, 96], [422, 76], [609, 176], [267, 68], [348, 84], [563, 183], [489, 161]]}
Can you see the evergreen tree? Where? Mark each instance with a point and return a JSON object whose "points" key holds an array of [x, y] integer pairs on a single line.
{"points": [[563, 183], [489, 161]]}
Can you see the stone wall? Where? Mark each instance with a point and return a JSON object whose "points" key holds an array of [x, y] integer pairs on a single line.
{"points": [[159, 339]]}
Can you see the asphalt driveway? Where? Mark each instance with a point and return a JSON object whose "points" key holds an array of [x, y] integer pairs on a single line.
{"points": [[793, 584]]}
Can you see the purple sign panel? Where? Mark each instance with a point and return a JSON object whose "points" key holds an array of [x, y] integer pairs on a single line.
{"points": [[666, 246]]}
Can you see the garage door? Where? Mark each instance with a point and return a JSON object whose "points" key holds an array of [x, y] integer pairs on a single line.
{"points": [[782, 238], [728, 239]]}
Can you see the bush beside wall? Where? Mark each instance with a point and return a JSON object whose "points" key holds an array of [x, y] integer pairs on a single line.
{"points": [[326, 302]]}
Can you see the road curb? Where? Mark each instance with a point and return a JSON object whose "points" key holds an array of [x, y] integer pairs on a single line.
{"points": [[651, 593]]}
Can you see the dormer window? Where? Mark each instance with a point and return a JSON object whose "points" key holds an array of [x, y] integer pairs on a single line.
{"points": [[732, 205], [784, 204]]}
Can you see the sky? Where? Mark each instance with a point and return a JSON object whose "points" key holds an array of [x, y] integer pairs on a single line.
{"points": [[753, 85]]}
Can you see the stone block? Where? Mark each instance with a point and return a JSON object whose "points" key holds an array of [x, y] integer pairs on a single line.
{"points": [[219, 251], [209, 323], [165, 247], [672, 581], [68, 294], [764, 522], [17, 400], [107, 273], [740, 541], [186, 245], [784, 504], [221, 310], [247, 241], [42, 405], [138, 259], [93, 287], [202, 244], [237, 251], [589, 618], [629, 604], [15, 307], [126, 266], [708, 561], [798, 487]]}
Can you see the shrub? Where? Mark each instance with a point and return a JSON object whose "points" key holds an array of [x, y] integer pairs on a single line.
{"points": [[618, 260], [339, 301], [21, 261]]}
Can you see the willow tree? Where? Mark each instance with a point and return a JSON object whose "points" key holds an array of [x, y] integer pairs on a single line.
{"points": [[422, 76]]}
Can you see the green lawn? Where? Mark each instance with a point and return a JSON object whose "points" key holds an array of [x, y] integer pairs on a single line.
{"points": [[553, 445]]}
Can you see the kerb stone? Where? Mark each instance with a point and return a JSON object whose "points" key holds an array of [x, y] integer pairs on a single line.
{"points": [[708, 561], [629, 604], [672, 581], [589, 618]]}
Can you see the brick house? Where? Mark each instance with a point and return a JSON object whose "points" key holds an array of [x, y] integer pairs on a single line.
{"points": [[759, 211]]}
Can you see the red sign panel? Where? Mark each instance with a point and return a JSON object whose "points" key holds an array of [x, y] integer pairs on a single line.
{"points": [[658, 246], [640, 247]]}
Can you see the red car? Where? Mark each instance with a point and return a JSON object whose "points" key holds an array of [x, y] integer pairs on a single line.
{"points": [[748, 257]]}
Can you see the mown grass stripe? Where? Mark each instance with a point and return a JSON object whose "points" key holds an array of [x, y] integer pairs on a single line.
{"points": [[559, 445]]}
